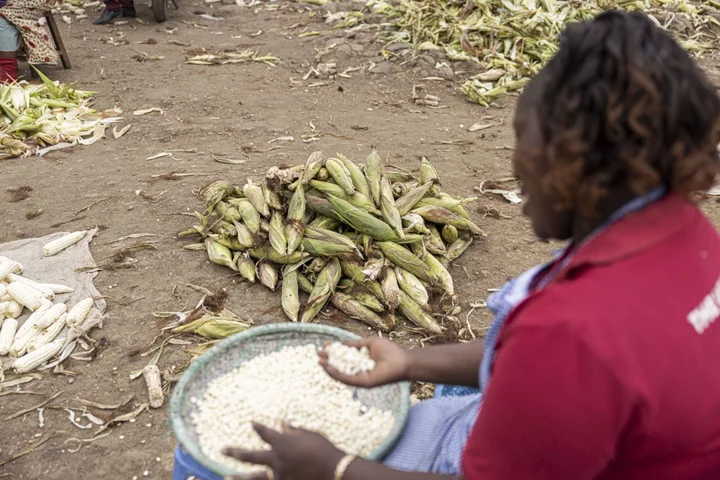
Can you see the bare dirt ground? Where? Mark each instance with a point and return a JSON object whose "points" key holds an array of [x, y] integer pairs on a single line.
{"points": [[233, 111]]}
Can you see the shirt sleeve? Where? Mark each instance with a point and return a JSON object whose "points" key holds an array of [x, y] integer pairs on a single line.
{"points": [[553, 410]]}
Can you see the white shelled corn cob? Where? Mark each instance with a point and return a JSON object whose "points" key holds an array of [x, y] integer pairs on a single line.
{"points": [[8, 266], [18, 269], [47, 335], [3, 290], [50, 316], [4, 306], [57, 288], [26, 295], [36, 358], [77, 314], [60, 244], [46, 292], [27, 332], [14, 309], [7, 335]]}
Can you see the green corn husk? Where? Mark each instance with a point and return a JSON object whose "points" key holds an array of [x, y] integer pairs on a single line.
{"points": [[417, 315], [308, 217], [356, 310], [403, 258], [268, 275], [434, 243], [401, 188], [363, 222], [391, 289], [231, 243], [323, 175], [277, 233], [444, 216], [414, 223], [244, 236], [357, 199], [340, 174], [254, 193], [227, 212], [304, 284], [267, 252], [215, 327], [321, 221], [316, 265], [366, 298], [245, 266], [428, 174], [458, 247], [317, 233], [322, 248], [197, 229], [357, 176], [216, 192], [322, 207], [195, 247], [408, 201], [354, 271], [290, 298], [413, 287], [294, 229], [324, 288], [373, 173], [439, 271], [314, 163], [264, 226], [219, 254], [447, 202], [272, 199], [389, 210], [394, 177], [449, 234], [250, 216]]}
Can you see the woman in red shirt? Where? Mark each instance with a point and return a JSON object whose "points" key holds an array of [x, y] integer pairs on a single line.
{"points": [[605, 363]]}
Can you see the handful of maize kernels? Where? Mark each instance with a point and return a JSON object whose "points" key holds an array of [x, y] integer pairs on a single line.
{"points": [[40, 337], [371, 242], [349, 360], [286, 386]]}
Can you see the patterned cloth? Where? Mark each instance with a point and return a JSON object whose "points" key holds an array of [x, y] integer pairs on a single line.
{"points": [[25, 16]]}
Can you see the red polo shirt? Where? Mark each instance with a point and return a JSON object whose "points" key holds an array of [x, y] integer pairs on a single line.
{"points": [[613, 371]]}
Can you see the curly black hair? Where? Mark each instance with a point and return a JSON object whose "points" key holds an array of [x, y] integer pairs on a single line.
{"points": [[623, 106]]}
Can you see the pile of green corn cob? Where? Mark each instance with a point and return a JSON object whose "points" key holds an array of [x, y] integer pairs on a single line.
{"points": [[513, 39], [369, 241], [35, 118]]}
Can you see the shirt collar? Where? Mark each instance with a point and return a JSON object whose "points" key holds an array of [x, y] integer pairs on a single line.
{"points": [[636, 233]]}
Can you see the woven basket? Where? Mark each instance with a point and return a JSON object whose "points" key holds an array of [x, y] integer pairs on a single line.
{"points": [[232, 352]]}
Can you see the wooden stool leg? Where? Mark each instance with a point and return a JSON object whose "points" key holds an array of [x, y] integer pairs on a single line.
{"points": [[55, 33]]}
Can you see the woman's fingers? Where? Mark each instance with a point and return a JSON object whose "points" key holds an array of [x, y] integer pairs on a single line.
{"points": [[259, 457], [257, 476]]}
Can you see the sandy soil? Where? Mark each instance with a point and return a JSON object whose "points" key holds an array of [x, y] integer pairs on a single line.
{"points": [[231, 110]]}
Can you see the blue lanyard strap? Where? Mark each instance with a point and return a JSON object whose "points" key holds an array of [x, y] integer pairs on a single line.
{"points": [[522, 285]]}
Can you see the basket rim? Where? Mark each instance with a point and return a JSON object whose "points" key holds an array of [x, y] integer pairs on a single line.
{"points": [[181, 430]]}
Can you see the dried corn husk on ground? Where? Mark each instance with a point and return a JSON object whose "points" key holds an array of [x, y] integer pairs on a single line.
{"points": [[40, 118], [511, 40], [343, 240]]}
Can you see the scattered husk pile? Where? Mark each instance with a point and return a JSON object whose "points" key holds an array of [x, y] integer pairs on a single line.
{"points": [[369, 241], [39, 118], [512, 39]]}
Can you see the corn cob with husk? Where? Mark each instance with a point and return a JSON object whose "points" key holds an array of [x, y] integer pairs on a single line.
{"points": [[290, 298], [340, 174], [358, 177], [354, 309], [391, 290], [449, 234], [373, 172], [277, 234], [412, 286], [268, 275], [323, 289], [417, 315], [389, 210], [405, 259], [245, 266], [408, 201], [254, 193], [314, 163], [294, 228]]}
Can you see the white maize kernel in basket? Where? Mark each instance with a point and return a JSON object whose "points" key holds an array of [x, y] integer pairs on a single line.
{"points": [[286, 386]]}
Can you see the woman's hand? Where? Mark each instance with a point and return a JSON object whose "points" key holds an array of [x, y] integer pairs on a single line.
{"points": [[392, 364], [296, 455]]}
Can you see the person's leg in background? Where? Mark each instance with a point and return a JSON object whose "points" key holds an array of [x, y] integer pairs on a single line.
{"points": [[9, 46], [113, 11], [128, 8]]}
